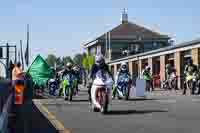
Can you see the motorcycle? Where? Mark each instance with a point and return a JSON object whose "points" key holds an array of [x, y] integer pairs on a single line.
{"points": [[171, 83], [101, 92], [75, 82], [68, 87], [198, 87], [191, 83], [123, 87], [52, 87]]}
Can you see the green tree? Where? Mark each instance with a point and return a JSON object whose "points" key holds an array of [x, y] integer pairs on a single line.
{"points": [[58, 61], [67, 59], [51, 59], [88, 61], [78, 58], [85, 62], [91, 61]]}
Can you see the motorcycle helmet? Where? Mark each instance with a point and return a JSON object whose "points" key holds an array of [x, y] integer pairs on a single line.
{"points": [[76, 68], [168, 66], [123, 67], [189, 61], [148, 68], [99, 59], [69, 65]]}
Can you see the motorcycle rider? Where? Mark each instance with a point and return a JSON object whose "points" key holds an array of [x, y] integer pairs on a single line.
{"points": [[67, 71], [53, 82], [190, 70], [123, 70], [169, 71], [76, 71], [148, 77], [198, 79], [99, 65]]}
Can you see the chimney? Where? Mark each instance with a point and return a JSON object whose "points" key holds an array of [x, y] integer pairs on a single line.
{"points": [[124, 17]]}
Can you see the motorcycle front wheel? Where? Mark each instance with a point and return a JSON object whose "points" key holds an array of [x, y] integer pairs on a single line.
{"points": [[66, 93], [70, 92], [104, 108], [127, 94]]}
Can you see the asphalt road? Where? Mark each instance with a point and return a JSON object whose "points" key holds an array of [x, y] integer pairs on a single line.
{"points": [[158, 114]]}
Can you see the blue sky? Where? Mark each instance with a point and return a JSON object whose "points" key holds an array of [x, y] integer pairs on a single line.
{"points": [[61, 26]]}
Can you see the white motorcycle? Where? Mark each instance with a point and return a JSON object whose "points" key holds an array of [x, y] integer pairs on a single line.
{"points": [[101, 92]]}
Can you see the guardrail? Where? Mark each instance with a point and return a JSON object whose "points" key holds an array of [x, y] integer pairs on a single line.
{"points": [[6, 98]]}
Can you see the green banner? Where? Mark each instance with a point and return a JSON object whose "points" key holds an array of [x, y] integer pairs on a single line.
{"points": [[40, 71]]}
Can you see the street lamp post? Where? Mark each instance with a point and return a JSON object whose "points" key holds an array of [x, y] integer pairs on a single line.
{"points": [[7, 58]]}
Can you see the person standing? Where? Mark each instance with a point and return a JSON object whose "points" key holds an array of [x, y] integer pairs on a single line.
{"points": [[17, 73], [148, 78]]}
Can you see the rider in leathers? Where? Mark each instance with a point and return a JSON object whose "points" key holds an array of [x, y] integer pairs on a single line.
{"points": [[123, 70], [169, 71], [76, 71], [99, 65], [67, 70], [190, 69], [198, 80]]}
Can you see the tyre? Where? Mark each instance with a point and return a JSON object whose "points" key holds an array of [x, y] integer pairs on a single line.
{"points": [[165, 85], [118, 96], [66, 93], [70, 94], [104, 108], [173, 84], [190, 85], [96, 109], [127, 93]]}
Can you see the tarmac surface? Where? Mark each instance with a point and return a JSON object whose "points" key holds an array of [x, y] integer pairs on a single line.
{"points": [[160, 112]]}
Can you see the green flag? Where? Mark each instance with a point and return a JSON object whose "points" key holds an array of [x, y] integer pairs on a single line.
{"points": [[40, 71]]}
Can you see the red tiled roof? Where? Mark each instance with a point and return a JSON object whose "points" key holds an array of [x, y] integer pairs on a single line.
{"points": [[132, 31]]}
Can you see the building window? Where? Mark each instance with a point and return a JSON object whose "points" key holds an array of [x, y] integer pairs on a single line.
{"points": [[187, 53], [134, 48], [148, 47], [155, 44]]}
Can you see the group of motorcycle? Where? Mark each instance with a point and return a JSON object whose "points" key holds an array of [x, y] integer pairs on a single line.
{"points": [[191, 82], [102, 89], [67, 86], [171, 82]]}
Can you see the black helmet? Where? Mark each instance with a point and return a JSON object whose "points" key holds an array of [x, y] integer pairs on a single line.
{"points": [[189, 61], [99, 60]]}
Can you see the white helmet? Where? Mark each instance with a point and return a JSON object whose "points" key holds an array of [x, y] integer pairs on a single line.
{"points": [[123, 66], [76, 68], [147, 67], [69, 65]]}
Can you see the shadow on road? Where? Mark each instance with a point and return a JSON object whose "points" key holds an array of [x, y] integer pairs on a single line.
{"points": [[142, 99], [81, 100], [127, 112]]}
